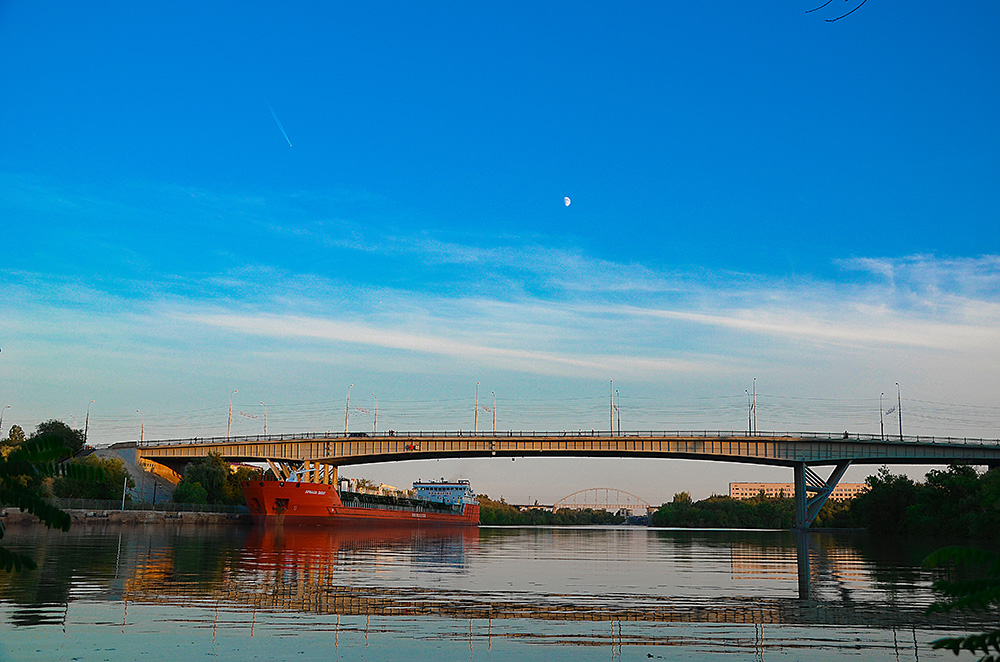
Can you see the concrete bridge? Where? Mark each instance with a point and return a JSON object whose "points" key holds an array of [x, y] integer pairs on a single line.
{"points": [[315, 457]]}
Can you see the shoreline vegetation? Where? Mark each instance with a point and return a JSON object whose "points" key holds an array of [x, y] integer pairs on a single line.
{"points": [[958, 502]]}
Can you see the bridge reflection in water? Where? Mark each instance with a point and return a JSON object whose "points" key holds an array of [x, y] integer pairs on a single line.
{"points": [[303, 570], [428, 593]]}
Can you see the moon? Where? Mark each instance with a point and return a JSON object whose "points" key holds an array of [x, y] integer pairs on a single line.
{"points": [[566, 201]]}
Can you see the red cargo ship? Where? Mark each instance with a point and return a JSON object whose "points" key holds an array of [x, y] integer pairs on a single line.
{"points": [[288, 502]]}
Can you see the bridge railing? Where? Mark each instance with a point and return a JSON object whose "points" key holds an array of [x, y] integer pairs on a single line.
{"points": [[575, 434]]}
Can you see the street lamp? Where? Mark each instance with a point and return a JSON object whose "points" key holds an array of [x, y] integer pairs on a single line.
{"points": [[749, 413], [881, 421], [142, 425], [229, 425], [1, 417], [475, 418], [265, 417], [899, 410], [375, 424], [611, 410], [347, 411], [618, 410], [755, 406], [494, 413], [86, 425]]}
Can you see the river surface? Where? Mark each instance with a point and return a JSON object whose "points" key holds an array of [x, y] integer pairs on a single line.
{"points": [[628, 593]]}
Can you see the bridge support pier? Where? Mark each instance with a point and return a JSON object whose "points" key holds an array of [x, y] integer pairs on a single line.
{"points": [[808, 481]]}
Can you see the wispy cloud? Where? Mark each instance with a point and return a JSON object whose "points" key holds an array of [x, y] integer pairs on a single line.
{"points": [[571, 332], [930, 280], [523, 304], [499, 356], [856, 325]]}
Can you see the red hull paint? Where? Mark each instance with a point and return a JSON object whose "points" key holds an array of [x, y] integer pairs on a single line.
{"points": [[278, 502]]}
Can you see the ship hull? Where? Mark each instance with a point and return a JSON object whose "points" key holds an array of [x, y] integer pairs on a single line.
{"points": [[318, 504]]}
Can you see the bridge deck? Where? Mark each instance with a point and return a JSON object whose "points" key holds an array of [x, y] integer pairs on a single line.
{"points": [[782, 449]]}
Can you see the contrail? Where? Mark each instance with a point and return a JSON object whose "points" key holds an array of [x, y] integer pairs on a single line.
{"points": [[278, 122]]}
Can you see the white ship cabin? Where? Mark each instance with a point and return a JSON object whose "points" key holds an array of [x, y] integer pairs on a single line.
{"points": [[367, 487], [444, 491]]}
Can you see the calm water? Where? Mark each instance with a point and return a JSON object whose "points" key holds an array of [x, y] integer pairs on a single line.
{"points": [[110, 593]]}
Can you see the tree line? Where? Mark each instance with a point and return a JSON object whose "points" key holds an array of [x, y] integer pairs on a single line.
{"points": [[957, 502], [501, 513], [102, 478], [29, 468]]}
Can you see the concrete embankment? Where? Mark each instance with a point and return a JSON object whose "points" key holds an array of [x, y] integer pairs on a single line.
{"points": [[14, 517]]}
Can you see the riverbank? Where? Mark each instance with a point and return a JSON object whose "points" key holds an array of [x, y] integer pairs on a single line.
{"points": [[84, 517]]}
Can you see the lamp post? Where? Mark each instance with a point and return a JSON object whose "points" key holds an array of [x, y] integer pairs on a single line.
{"points": [[749, 413], [881, 420], [899, 410], [142, 425], [1, 417], [375, 424], [347, 411], [618, 410], [265, 417], [611, 410], [494, 412], [86, 424], [229, 425], [755, 406], [475, 418]]}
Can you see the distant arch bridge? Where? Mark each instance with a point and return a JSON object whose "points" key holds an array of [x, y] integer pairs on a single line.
{"points": [[316, 456], [603, 498]]}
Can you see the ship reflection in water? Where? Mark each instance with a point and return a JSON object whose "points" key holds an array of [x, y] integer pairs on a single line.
{"points": [[432, 549], [418, 589]]}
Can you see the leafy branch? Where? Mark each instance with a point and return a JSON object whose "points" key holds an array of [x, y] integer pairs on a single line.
{"points": [[978, 590], [21, 476], [831, 20]]}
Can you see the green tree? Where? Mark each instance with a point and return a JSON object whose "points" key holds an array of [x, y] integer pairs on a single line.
{"points": [[883, 507], [501, 513], [14, 439], [21, 474], [72, 439], [221, 485], [211, 473], [835, 513], [234, 484], [115, 476], [190, 492], [726, 512], [956, 502]]}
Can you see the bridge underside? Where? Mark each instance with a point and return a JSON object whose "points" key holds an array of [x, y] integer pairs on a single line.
{"points": [[311, 458]]}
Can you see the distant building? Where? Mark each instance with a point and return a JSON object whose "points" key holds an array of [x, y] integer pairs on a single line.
{"points": [[750, 490]]}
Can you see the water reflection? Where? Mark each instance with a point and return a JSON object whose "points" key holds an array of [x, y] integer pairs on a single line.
{"points": [[588, 574], [438, 549]]}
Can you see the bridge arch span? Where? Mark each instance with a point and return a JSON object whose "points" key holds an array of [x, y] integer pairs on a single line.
{"points": [[602, 498]]}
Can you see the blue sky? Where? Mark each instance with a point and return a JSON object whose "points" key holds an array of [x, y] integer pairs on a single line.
{"points": [[756, 192]]}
